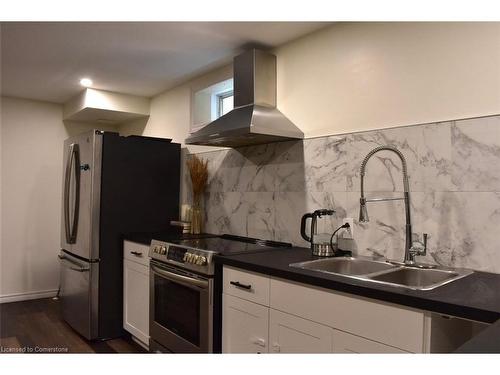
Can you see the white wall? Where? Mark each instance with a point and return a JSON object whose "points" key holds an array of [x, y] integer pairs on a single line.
{"points": [[170, 112], [31, 155], [361, 76], [170, 115]]}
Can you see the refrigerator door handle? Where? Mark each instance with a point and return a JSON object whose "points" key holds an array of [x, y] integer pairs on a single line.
{"points": [[78, 267], [74, 226], [67, 177], [73, 162]]}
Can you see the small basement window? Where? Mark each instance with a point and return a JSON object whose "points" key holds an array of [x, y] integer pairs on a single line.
{"points": [[210, 103], [225, 103]]}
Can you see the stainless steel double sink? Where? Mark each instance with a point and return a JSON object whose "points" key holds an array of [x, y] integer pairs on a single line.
{"points": [[385, 272]]}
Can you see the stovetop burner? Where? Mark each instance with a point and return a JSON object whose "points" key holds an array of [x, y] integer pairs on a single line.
{"points": [[197, 254], [229, 244]]}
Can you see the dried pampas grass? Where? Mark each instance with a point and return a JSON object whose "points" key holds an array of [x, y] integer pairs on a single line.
{"points": [[198, 170]]}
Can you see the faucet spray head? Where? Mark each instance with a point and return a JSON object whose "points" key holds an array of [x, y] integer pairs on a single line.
{"points": [[363, 212]]}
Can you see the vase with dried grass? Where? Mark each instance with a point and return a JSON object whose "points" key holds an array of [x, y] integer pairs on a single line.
{"points": [[198, 170]]}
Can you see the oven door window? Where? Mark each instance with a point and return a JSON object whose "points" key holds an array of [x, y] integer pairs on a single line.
{"points": [[177, 308]]}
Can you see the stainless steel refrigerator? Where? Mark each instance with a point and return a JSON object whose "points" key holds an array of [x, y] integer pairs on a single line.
{"points": [[111, 185]]}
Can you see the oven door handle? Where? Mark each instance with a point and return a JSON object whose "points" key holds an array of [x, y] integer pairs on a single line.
{"points": [[180, 278]]}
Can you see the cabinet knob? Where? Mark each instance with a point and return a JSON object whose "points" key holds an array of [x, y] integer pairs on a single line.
{"points": [[276, 347], [259, 341]]}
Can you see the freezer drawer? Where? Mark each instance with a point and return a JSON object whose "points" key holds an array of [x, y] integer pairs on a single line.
{"points": [[79, 294]]}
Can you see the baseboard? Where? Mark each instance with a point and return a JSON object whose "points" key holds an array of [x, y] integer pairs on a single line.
{"points": [[139, 342], [16, 297]]}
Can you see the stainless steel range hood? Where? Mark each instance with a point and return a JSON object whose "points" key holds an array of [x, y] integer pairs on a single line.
{"points": [[255, 118]]}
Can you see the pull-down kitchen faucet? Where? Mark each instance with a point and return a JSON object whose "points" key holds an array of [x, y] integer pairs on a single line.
{"points": [[410, 250]]}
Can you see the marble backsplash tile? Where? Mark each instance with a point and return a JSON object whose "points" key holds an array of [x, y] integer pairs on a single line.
{"points": [[476, 154], [454, 167], [249, 214]]}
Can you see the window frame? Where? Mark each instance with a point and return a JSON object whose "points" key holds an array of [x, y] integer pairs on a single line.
{"points": [[220, 100]]}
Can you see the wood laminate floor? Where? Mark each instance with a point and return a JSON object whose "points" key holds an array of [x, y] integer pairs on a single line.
{"points": [[37, 326]]}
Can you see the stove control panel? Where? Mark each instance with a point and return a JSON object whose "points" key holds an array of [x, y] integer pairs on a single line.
{"points": [[160, 250], [199, 260], [190, 258]]}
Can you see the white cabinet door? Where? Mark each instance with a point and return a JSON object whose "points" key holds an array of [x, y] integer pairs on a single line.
{"points": [[346, 343], [244, 326], [379, 321], [136, 300], [291, 334]]}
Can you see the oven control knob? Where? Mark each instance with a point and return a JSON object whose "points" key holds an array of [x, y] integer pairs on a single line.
{"points": [[163, 250], [202, 261], [155, 250], [196, 259]]}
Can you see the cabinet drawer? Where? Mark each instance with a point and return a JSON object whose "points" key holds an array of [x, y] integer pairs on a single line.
{"points": [[381, 322], [291, 334], [346, 343], [251, 286], [136, 252], [245, 326]]}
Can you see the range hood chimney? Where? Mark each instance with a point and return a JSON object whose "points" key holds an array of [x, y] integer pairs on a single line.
{"points": [[255, 118]]}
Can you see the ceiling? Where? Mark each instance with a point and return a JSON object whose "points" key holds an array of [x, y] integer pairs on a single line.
{"points": [[45, 61]]}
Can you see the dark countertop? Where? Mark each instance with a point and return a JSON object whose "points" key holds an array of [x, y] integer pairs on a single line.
{"points": [[475, 297], [146, 237]]}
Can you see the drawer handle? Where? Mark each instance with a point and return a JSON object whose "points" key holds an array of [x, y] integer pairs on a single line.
{"points": [[240, 285], [136, 253]]}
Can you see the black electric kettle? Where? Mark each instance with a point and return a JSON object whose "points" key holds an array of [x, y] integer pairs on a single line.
{"points": [[320, 242]]}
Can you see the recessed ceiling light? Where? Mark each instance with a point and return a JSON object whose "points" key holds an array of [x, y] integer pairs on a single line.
{"points": [[86, 82]]}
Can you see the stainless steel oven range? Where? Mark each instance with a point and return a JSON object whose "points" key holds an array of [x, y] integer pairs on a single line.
{"points": [[182, 290]]}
